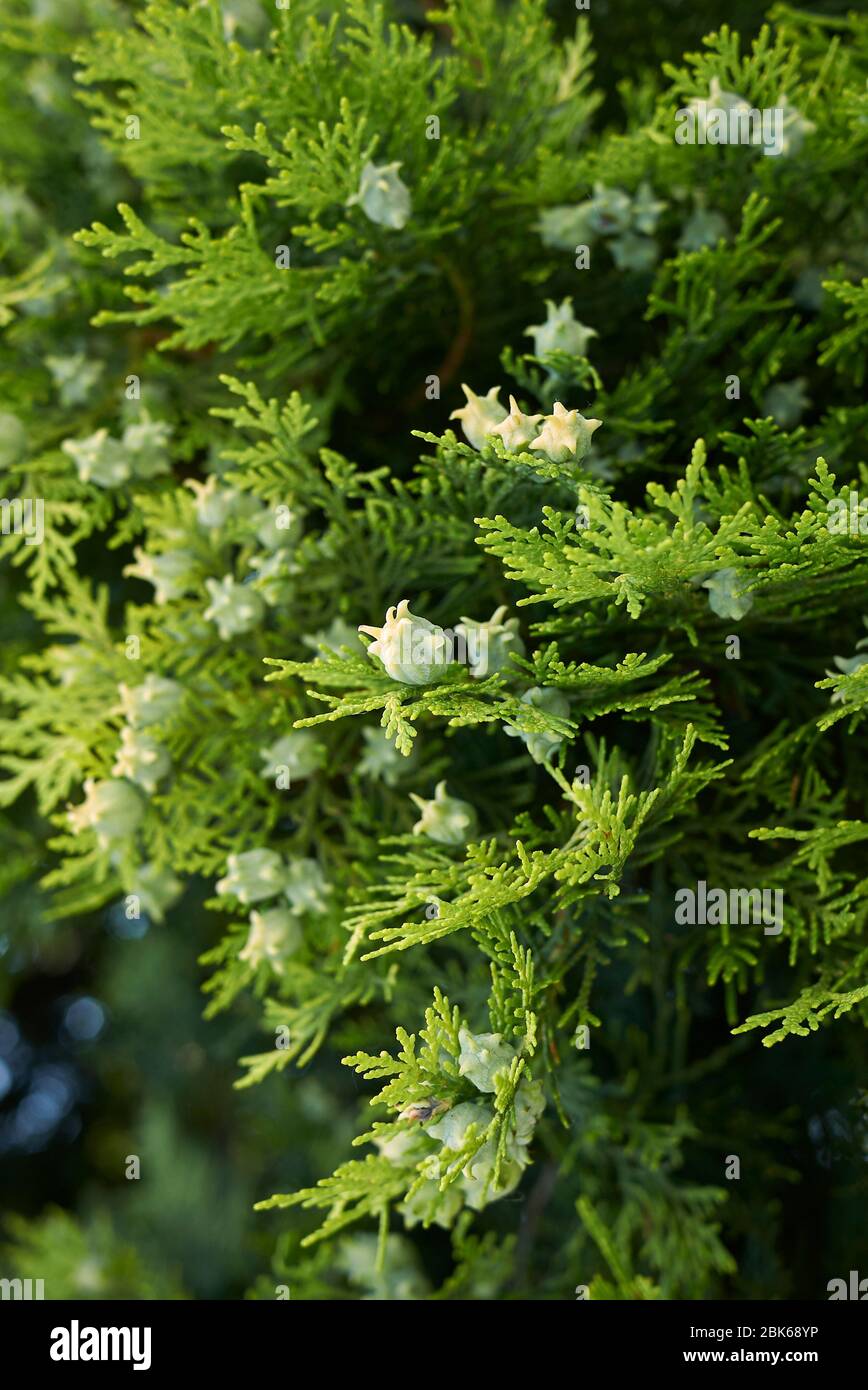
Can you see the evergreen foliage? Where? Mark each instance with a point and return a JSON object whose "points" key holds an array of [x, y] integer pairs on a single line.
{"points": [[235, 325]]}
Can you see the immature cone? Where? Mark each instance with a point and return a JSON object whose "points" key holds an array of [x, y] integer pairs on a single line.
{"points": [[383, 196], [171, 572], [113, 809], [73, 377], [214, 505], [337, 635], [273, 574], [429, 1204], [565, 435], [99, 459], [306, 887], [633, 252], [518, 429], [703, 228], [156, 699], [726, 596], [719, 103], [252, 876], [566, 226], [411, 649], [297, 751], [477, 1180], [145, 444], [541, 744], [646, 210], [273, 936], [156, 889], [141, 759], [452, 1129], [234, 608], [381, 759], [483, 1057], [445, 819], [609, 210], [489, 645], [480, 415], [561, 331]]}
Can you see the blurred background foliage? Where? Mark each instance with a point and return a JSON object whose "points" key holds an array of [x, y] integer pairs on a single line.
{"points": [[104, 1052]]}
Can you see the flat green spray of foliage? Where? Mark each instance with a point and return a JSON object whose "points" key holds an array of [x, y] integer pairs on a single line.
{"points": [[229, 377]]}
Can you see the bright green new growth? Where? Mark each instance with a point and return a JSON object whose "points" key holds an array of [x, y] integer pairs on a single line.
{"points": [[676, 739]]}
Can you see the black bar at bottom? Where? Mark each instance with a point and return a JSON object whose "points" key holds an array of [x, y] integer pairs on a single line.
{"points": [[68, 1339]]}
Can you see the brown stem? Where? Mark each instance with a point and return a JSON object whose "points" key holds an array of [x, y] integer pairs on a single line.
{"points": [[460, 343]]}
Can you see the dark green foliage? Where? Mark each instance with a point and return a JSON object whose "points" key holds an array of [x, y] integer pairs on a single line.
{"points": [[565, 1068]]}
